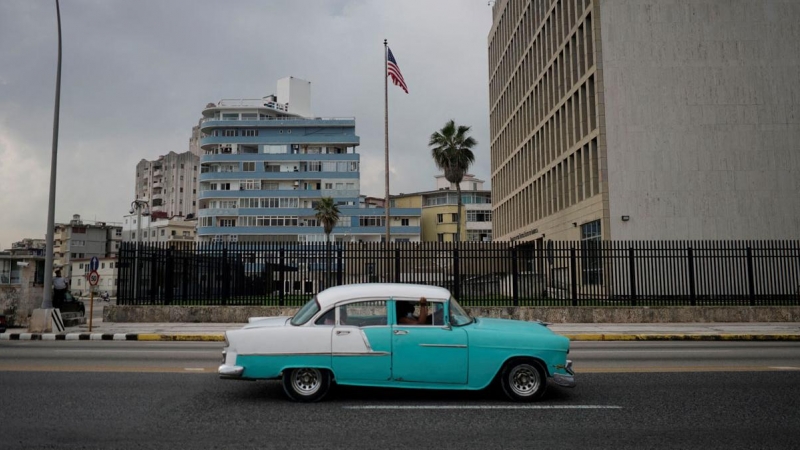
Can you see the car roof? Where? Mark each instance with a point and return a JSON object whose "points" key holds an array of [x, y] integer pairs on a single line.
{"points": [[336, 294]]}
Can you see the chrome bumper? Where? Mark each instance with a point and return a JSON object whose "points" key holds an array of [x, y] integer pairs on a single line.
{"points": [[565, 380], [226, 371]]}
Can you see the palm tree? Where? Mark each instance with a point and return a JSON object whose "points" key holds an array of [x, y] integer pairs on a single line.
{"points": [[452, 153], [327, 215]]}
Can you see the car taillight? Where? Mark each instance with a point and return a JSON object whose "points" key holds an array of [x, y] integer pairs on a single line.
{"points": [[2, 320]]}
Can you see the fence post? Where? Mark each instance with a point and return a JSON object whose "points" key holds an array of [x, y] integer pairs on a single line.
{"points": [[456, 275], [153, 273], [514, 276], [226, 279], [396, 264], [168, 278], [692, 292], [339, 268], [573, 274], [632, 268], [282, 277], [750, 280]]}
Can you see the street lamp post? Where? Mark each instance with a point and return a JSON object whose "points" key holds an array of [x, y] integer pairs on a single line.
{"points": [[142, 208], [47, 298]]}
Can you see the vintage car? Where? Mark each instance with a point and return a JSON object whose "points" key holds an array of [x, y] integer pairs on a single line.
{"points": [[352, 335]]}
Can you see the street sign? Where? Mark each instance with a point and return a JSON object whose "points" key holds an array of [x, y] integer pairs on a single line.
{"points": [[94, 278], [94, 264]]}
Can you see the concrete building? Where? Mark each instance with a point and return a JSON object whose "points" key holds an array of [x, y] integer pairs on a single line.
{"points": [[267, 162], [645, 119], [155, 229], [108, 277], [79, 240], [28, 246], [21, 286], [440, 210], [169, 183]]}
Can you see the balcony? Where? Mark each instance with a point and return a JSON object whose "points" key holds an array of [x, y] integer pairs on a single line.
{"points": [[210, 123]]}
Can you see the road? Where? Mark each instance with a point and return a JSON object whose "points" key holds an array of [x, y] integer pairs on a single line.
{"points": [[638, 395]]}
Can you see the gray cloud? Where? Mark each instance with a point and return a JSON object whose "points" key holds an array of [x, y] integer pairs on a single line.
{"points": [[136, 76]]}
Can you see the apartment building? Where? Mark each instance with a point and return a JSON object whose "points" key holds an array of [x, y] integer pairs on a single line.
{"points": [[155, 228], [440, 214], [645, 119], [267, 162], [169, 183], [79, 240]]}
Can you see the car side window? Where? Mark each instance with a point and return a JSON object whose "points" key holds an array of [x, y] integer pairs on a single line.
{"points": [[329, 318], [363, 314], [408, 312]]}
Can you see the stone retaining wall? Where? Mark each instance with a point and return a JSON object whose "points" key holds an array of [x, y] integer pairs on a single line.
{"points": [[239, 314]]}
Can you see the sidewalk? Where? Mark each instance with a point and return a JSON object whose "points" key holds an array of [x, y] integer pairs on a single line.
{"points": [[774, 331]]}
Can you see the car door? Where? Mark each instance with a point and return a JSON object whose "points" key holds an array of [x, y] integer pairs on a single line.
{"points": [[434, 353], [361, 343]]}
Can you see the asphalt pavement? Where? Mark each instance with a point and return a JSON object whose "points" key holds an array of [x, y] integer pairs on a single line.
{"points": [[175, 331]]}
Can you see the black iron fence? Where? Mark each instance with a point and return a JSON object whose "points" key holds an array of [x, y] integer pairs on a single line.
{"points": [[583, 273]]}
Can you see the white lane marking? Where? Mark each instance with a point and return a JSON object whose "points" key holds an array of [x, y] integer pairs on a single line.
{"points": [[785, 368], [194, 369], [483, 407]]}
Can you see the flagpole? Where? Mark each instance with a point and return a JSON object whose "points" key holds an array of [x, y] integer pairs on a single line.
{"points": [[386, 130]]}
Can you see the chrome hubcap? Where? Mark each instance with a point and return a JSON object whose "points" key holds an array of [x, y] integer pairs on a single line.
{"points": [[524, 380], [306, 381]]}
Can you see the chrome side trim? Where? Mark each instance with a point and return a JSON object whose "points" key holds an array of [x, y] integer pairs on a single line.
{"points": [[362, 354], [444, 345], [227, 371]]}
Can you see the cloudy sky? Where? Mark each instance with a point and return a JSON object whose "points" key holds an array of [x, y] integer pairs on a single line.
{"points": [[136, 75]]}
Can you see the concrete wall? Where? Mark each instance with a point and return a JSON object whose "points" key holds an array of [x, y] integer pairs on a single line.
{"points": [[702, 108], [239, 314], [17, 301]]}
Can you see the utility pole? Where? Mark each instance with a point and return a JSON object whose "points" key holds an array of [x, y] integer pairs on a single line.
{"points": [[47, 299]]}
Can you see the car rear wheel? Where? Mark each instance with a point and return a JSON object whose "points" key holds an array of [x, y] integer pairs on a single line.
{"points": [[306, 384], [523, 381]]}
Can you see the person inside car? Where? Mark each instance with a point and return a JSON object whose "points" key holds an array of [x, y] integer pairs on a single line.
{"points": [[405, 313]]}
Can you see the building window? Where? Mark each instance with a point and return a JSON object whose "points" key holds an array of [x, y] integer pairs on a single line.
{"points": [[251, 133], [227, 222], [103, 265], [249, 166], [454, 217], [162, 232], [440, 219], [591, 262], [230, 133], [440, 237], [404, 222]]}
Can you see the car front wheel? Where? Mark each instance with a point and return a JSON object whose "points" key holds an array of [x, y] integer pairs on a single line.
{"points": [[306, 384], [523, 381]]}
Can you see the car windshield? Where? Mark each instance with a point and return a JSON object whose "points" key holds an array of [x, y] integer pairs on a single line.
{"points": [[306, 312], [458, 317]]}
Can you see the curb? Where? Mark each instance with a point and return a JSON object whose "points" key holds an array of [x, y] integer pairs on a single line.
{"points": [[110, 337], [220, 337]]}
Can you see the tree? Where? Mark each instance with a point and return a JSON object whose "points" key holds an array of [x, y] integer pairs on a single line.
{"points": [[452, 153], [327, 214]]}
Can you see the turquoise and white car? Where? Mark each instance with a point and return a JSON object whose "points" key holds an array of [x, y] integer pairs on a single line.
{"points": [[350, 335]]}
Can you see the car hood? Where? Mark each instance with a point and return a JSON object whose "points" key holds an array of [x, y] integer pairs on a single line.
{"points": [[261, 322], [511, 325]]}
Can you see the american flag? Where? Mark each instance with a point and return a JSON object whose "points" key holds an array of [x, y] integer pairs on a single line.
{"points": [[394, 72]]}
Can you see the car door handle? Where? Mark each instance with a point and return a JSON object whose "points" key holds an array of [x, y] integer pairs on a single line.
{"points": [[341, 332], [400, 332]]}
